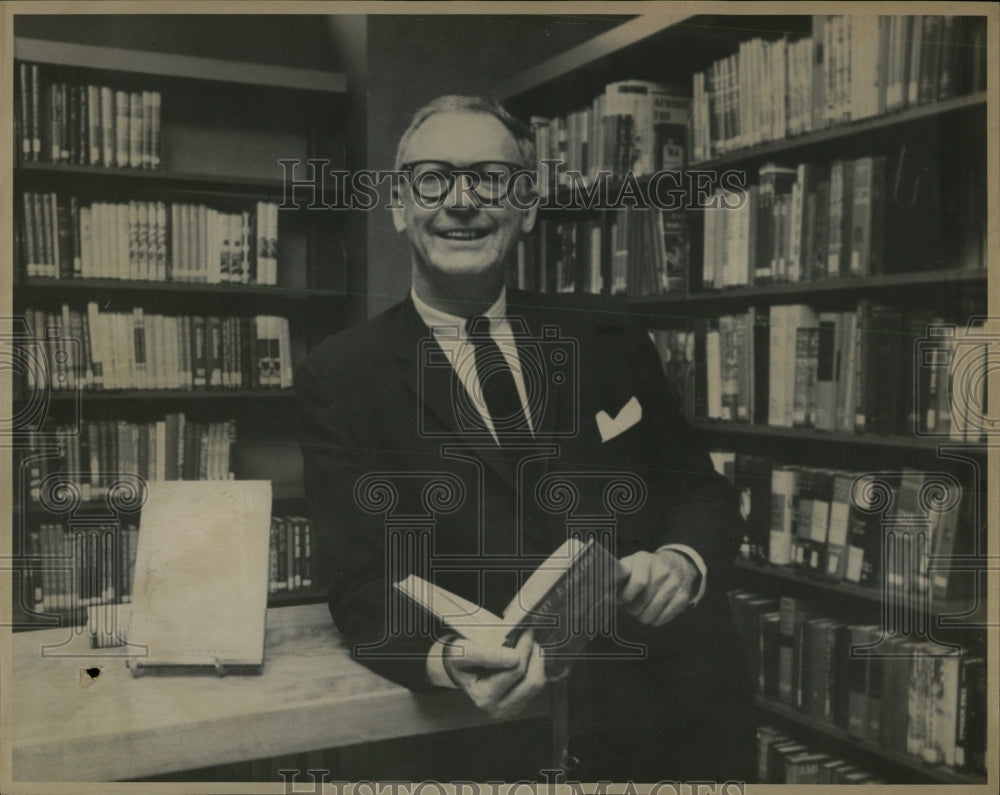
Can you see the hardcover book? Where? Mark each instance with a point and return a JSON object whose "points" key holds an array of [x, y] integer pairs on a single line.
{"points": [[566, 601], [201, 574]]}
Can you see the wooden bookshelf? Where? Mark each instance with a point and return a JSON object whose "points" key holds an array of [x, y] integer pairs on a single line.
{"points": [[878, 125], [564, 66], [670, 50], [168, 65], [35, 285], [160, 179], [173, 395], [225, 124], [937, 773], [705, 301], [911, 444], [864, 593]]}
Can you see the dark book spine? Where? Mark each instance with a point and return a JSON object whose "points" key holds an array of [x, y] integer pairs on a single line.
{"points": [[930, 58], [24, 111], [858, 672], [65, 243]]}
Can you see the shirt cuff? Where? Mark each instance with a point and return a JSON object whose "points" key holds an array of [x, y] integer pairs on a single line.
{"points": [[699, 564], [436, 672]]}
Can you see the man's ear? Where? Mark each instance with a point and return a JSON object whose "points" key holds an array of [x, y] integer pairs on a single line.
{"points": [[398, 218]]}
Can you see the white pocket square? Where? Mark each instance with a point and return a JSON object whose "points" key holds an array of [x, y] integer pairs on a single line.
{"points": [[610, 427]]}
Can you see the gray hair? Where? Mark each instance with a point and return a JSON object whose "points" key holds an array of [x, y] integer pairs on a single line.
{"points": [[450, 103]]}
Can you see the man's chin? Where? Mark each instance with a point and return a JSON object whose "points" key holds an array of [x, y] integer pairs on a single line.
{"points": [[463, 267]]}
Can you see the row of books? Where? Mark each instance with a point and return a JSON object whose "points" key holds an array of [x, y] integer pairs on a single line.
{"points": [[635, 127], [870, 528], [828, 221], [63, 237], [94, 349], [783, 759], [799, 224], [96, 125], [902, 694], [89, 567], [290, 561], [95, 454], [647, 250], [876, 369], [94, 567], [852, 67]]}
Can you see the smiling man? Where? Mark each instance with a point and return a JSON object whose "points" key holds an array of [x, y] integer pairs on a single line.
{"points": [[432, 438]]}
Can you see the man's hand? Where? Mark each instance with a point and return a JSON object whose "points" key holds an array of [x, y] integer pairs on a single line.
{"points": [[500, 681], [660, 585]]}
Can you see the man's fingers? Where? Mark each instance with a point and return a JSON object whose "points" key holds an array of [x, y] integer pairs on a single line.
{"points": [[534, 680], [637, 581], [465, 655], [659, 599], [674, 608]]}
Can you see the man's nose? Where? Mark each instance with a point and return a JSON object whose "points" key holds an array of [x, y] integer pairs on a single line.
{"points": [[461, 196]]}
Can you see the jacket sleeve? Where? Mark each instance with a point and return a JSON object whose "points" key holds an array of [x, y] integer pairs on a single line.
{"points": [[350, 544], [693, 505]]}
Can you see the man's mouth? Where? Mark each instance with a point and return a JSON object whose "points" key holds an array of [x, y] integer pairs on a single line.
{"points": [[462, 234]]}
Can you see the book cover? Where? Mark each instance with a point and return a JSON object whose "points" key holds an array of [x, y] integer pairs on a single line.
{"points": [[215, 555]]}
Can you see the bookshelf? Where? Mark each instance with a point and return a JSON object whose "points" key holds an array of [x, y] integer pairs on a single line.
{"points": [[920, 771], [945, 281], [223, 125]]}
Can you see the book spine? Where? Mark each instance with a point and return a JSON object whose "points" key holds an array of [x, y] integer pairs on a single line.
{"points": [[135, 139], [861, 218], [122, 117]]}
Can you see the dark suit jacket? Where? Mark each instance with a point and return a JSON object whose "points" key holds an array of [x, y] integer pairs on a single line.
{"points": [[380, 398]]}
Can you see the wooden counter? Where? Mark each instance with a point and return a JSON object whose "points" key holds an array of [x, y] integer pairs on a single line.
{"points": [[311, 695]]}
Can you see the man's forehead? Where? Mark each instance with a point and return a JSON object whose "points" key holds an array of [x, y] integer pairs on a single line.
{"points": [[462, 137]]}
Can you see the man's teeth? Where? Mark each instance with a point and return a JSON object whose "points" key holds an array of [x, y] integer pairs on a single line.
{"points": [[463, 234]]}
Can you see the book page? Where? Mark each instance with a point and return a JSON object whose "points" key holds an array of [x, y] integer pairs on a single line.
{"points": [[465, 617]]}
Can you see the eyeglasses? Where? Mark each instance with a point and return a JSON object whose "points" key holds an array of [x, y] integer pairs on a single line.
{"points": [[432, 180]]}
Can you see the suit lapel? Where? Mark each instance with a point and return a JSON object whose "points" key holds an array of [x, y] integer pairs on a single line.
{"points": [[426, 373]]}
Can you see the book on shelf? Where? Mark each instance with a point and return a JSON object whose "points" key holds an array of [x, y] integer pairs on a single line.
{"points": [[91, 125], [217, 555], [648, 255], [783, 512], [290, 560], [849, 67], [893, 692], [827, 524], [839, 220], [99, 350], [94, 452], [783, 759], [101, 568], [634, 127], [874, 370], [66, 237], [564, 602]]}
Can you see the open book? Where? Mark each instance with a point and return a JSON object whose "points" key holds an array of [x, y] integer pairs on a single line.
{"points": [[201, 574], [567, 601]]}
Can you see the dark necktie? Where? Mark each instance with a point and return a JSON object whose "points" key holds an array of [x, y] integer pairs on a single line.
{"points": [[499, 391]]}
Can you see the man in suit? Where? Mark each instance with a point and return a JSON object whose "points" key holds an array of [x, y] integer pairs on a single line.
{"points": [[465, 432]]}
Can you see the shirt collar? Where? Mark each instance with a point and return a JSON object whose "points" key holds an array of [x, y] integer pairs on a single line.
{"points": [[435, 318]]}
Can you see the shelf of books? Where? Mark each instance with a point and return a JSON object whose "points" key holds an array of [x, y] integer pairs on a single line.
{"points": [[164, 288], [795, 208]]}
